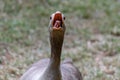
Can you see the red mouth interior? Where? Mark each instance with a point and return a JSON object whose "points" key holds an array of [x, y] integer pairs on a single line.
{"points": [[57, 24], [57, 21]]}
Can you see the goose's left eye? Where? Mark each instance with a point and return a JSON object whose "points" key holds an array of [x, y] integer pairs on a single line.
{"points": [[64, 18]]}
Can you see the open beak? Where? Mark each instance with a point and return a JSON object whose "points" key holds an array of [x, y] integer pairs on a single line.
{"points": [[57, 21]]}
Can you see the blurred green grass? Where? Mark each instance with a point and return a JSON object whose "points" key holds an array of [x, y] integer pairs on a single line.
{"points": [[93, 29]]}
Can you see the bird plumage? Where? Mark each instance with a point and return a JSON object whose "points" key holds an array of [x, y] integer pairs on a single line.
{"points": [[53, 68]]}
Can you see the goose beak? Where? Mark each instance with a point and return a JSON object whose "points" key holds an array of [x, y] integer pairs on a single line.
{"points": [[57, 21]]}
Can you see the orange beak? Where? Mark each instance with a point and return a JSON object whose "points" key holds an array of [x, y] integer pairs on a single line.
{"points": [[57, 21]]}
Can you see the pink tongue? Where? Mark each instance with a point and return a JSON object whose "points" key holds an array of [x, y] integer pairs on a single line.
{"points": [[57, 24]]}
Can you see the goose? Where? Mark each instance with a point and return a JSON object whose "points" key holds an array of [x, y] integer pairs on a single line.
{"points": [[53, 68]]}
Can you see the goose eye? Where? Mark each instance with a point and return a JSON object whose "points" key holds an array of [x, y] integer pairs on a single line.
{"points": [[50, 17], [64, 18]]}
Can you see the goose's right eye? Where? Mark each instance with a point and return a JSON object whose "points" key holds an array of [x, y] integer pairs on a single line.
{"points": [[50, 17]]}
